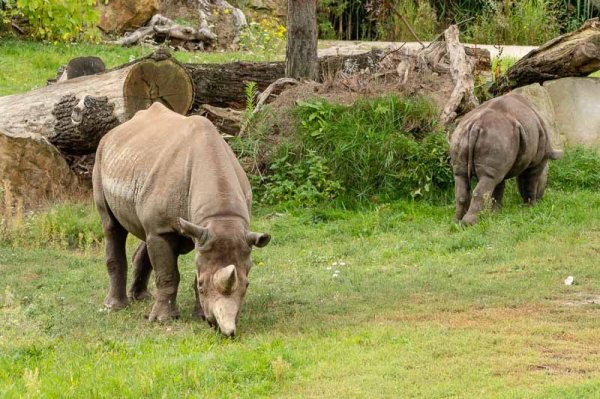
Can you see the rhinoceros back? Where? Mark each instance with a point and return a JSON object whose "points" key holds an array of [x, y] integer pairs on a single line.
{"points": [[160, 166]]}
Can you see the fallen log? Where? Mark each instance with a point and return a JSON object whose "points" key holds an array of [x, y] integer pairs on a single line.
{"points": [[223, 85], [162, 28], [74, 114], [573, 54]]}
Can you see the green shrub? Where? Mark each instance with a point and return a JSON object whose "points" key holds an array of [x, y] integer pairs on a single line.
{"points": [[62, 21], [578, 169], [385, 148], [303, 181]]}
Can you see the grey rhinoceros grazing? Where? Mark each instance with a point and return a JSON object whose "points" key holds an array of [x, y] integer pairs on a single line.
{"points": [[502, 138], [174, 183]]}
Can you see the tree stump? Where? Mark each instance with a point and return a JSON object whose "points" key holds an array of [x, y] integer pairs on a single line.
{"points": [[572, 54]]}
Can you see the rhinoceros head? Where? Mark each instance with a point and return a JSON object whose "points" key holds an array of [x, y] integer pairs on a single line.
{"points": [[222, 265]]}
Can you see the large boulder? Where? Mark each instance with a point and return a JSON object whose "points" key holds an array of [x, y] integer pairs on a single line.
{"points": [[118, 16], [572, 108], [576, 104], [33, 169]]}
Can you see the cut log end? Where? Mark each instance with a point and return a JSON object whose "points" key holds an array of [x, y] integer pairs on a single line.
{"points": [[164, 81]]}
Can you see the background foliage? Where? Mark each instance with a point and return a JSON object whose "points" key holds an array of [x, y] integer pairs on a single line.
{"points": [[65, 20], [491, 21]]}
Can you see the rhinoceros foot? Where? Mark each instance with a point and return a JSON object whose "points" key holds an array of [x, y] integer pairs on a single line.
{"points": [[164, 311], [115, 303], [469, 219], [141, 295]]}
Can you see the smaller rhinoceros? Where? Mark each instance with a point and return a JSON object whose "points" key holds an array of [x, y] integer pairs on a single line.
{"points": [[502, 138], [173, 182]]}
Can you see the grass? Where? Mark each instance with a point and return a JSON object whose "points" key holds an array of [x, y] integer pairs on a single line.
{"points": [[26, 65], [421, 308]]}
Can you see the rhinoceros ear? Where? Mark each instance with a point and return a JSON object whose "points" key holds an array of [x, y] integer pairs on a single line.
{"points": [[226, 279], [258, 239], [193, 231]]}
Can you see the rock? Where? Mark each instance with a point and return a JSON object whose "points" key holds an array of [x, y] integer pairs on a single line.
{"points": [[576, 103], [258, 9], [33, 169], [541, 100], [117, 16]]}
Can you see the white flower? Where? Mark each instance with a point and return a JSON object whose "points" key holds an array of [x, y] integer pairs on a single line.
{"points": [[569, 280]]}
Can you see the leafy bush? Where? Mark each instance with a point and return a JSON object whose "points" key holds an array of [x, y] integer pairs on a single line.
{"points": [[305, 181], [64, 21], [389, 147], [578, 169]]}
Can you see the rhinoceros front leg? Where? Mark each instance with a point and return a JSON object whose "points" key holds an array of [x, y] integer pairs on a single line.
{"points": [[163, 256], [484, 189], [116, 263], [142, 267]]}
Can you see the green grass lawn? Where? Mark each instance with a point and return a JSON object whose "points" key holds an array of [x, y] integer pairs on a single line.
{"points": [[420, 308]]}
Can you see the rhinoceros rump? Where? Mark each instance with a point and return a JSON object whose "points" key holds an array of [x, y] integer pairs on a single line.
{"points": [[174, 183], [502, 138]]}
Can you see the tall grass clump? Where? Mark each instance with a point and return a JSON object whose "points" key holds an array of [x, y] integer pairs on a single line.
{"points": [[527, 22], [62, 226], [578, 169], [420, 15], [380, 149]]}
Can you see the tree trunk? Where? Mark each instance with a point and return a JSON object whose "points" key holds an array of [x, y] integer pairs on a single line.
{"points": [[573, 54], [76, 113], [222, 85], [301, 52]]}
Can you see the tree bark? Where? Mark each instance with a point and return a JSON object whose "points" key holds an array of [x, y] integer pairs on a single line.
{"points": [[75, 113], [572, 54], [301, 52]]}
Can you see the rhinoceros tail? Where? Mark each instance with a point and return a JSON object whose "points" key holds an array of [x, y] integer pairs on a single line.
{"points": [[473, 135], [555, 154]]}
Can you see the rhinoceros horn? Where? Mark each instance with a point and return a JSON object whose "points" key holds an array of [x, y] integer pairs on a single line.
{"points": [[226, 279], [258, 239], [193, 231]]}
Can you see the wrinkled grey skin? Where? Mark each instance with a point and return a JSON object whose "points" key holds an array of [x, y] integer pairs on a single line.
{"points": [[173, 182], [503, 138]]}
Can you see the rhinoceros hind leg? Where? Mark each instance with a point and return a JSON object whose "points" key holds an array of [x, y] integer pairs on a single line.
{"points": [[142, 267], [532, 183], [462, 197], [163, 256], [484, 189], [116, 261], [498, 194]]}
